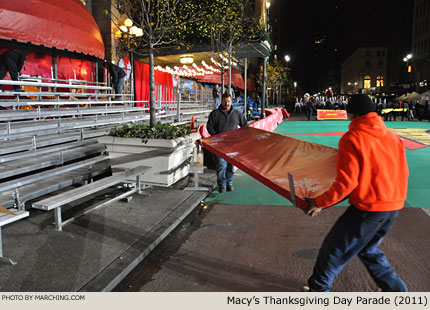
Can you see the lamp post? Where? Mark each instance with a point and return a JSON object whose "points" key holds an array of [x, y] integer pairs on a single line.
{"points": [[406, 59], [265, 59], [128, 32]]}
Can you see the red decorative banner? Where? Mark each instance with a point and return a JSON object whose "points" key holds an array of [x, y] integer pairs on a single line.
{"points": [[331, 115]]}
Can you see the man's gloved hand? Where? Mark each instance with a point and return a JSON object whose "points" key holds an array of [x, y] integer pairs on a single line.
{"points": [[313, 209]]}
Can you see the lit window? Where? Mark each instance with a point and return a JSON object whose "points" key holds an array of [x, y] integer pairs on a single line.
{"points": [[367, 81], [379, 81]]}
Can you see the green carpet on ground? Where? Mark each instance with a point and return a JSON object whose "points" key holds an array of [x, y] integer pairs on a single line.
{"points": [[249, 191]]}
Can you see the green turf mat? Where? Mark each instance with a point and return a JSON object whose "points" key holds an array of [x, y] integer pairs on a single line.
{"points": [[249, 191]]}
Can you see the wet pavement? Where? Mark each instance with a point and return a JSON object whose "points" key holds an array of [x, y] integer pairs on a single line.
{"points": [[270, 248]]}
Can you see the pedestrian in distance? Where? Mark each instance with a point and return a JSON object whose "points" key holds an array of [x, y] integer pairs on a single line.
{"points": [[12, 61], [215, 95], [406, 112], [372, 171], [224, 119], [310, 108], [117, 75]]}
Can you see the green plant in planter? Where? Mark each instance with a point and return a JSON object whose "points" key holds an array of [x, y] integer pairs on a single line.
{"points": [[145, 132]]}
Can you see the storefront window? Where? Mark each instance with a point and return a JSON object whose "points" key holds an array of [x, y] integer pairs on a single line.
{"points": [[367, 81], [379, 81]]}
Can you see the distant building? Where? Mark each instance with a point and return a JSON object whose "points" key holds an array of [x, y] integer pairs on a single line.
{"points": [[421, 44], [365, 71]]}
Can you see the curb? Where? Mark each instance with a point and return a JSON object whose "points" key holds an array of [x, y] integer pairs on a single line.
{"points": [[113, 274]]}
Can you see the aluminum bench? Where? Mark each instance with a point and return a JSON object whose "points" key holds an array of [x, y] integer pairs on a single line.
{"points": [[14, 115], [22, 166], [12, 198], [59, 200]]}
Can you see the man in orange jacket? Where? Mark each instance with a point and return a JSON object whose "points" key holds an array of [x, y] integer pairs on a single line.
{"points": [[372, 170]]}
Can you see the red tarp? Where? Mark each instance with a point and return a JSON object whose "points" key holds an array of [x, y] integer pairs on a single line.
{"points": [[269, 123], [269, 157], [141, 81], [63, 24]]}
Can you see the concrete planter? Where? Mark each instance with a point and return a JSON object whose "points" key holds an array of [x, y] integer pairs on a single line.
{"points": [[169, 159]]}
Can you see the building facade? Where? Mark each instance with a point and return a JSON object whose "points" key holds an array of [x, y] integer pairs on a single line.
{"points": [[420, 69], [365, 71]]}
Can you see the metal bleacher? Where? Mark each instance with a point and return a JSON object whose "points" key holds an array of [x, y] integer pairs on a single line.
{"points": [[48, 144]]}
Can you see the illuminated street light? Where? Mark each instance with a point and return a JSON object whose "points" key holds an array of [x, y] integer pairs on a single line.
{"points": [[409, 56], [267, 5], [128, 23], [287, 58], [128, 32]]}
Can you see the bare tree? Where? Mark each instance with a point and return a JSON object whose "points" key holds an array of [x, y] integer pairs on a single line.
{"points": [[160, 21]]}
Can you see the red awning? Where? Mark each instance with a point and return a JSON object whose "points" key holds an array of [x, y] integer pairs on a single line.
{"points": [[236, 78], [63, 24], [250, 84]]}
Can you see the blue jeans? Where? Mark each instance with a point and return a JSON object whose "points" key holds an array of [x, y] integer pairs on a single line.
{"points": [[118, 87], [356, 232], [217, 102], [224, 173]]}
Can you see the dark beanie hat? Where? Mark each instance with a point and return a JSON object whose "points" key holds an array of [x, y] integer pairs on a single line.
{"points": [[360, 105]]}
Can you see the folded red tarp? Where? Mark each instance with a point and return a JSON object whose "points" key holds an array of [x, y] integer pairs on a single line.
{"points": [[269, 157], [331, 115]]}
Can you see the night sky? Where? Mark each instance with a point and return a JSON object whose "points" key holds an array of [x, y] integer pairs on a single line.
{"points": [[346, 26]]}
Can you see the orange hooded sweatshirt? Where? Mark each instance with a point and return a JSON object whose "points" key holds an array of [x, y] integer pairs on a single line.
{"points": [[371, 168]]}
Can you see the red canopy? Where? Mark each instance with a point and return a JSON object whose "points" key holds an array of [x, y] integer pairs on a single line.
{"points": [[63, 24], [236, 78], [250, 84]]}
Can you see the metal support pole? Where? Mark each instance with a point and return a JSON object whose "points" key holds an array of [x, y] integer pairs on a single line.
{"points": [[55, 63], [246, 88], [160, 93], [178, 102], [263, 99], [138, 186], [58, 222], [229, 69], [96, 68], [132, 75]]}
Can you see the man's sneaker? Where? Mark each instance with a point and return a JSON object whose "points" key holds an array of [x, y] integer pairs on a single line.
{"points": [[221, 189], [305, 289], [230, 188]]}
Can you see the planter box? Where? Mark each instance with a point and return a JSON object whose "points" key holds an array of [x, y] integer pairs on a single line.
{"points": [[169, 159]]}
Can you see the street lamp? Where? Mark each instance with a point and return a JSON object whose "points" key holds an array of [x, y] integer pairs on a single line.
{"points": [[267, 5], [406, 59], [128, 32], [287, 58]]}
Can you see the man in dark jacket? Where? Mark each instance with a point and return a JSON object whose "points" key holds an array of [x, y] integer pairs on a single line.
{"points": [[224, 119], [12, 61], [310, 108], [117, 77]]}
